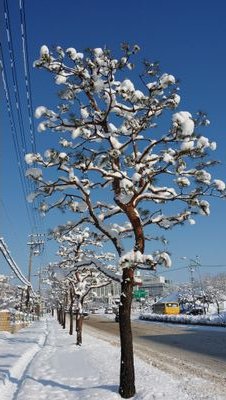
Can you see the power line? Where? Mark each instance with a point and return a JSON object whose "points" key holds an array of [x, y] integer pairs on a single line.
{"points": [[27, 73], [28, 85], [14, 76], [21, 144], [213, 266], [30, 108], [14, 136], [12, 263], [29, 187], [201, 265]]}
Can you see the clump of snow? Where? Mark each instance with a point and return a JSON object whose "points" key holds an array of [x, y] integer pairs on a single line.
{"points": [[184, 123], [36, 173], [203, 176], [187, 145], [204, 207], [166, 80], [41, 110], [72, 53], [203, 142], [60, 79], [183, 181], [44, 51], [63, 156], [175, 99], [98, 52], [164, 258], [84, 113], [133, 258], [127, 85], [76, 133], [41, 127], [219, 184], [30, 158], [115, 143], [213, 146], [65, 143], [168, 158]]}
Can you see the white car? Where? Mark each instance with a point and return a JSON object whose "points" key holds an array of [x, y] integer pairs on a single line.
{"points": [[108, 310]]}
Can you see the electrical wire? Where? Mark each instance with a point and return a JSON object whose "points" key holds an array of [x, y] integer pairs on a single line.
{"points": [[14, 76], [29, 187], [12, 263], [27, 73], [28, 88], [14, 136], [202, 266]]}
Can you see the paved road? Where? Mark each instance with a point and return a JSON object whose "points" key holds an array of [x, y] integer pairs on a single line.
{"points": [[181, 350]]}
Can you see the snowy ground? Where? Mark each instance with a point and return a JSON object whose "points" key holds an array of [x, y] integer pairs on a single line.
{"points": [[42, 362]]}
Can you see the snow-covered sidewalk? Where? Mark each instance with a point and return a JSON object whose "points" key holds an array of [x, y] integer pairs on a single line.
{"points": [[42, 363]]}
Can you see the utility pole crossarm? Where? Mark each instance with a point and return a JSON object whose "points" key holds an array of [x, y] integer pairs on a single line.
{"points": [[36, 244]]}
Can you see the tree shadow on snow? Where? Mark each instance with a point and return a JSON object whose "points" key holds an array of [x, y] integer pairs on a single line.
{"points": [[9, 355], [48, 382]]}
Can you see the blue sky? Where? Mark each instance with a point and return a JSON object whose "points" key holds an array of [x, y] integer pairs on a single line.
{"points": [[188, 38]]}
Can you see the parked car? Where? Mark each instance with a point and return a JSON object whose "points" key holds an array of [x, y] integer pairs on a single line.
{"points": [[108, 310], [95, 311], [117, 317], [195, 311], [85, 314]]}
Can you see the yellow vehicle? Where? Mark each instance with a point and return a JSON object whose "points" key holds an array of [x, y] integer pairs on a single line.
{"points": [[166, 308]]}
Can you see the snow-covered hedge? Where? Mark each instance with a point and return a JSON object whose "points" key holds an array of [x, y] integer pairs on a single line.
{"points": [[215, 319]]}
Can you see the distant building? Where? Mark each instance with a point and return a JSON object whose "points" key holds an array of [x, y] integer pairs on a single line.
{"points": [[156, 285], [111, 291]]}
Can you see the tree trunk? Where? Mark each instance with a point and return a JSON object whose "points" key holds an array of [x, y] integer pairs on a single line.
{"points": [[59, 315], [218, 307], [27, 298], [71, 311], [79, 323], [64, 319], [127, 375], [71, 322], [52, 312]]}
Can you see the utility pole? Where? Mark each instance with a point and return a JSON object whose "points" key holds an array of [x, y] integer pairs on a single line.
{"points": [[36, 243], [39, 305], [193, 264]]}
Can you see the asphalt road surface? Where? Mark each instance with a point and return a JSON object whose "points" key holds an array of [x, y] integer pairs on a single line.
{"points": [[180, 350]]}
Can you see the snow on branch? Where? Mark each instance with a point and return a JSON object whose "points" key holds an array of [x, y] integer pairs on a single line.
{"points": [[114, 162], [135, 259]]}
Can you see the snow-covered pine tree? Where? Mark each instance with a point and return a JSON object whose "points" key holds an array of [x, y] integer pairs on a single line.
{"points": [[115, 161]]}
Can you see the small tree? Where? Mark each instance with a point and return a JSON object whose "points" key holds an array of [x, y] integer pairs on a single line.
{"points": [[215, 289], [9, 294], [83, 282], [80, 262], [119, 171]]}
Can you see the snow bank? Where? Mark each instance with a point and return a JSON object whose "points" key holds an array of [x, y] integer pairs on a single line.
{"points": [[212, 320]]}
